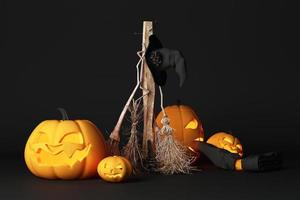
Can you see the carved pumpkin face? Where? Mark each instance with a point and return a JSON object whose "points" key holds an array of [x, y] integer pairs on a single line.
{"points": [[226, 141], [64, 149], [186, 123], [114, 169]]}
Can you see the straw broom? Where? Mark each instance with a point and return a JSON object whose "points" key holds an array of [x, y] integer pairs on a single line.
{"points": [[132, 150], [114, 138]]}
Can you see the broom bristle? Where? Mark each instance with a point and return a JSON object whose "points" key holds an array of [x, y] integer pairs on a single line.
{"points": [[132, 150], [133, 154], [112, 147], [171, 155]]}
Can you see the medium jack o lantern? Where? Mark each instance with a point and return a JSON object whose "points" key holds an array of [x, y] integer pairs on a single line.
{"points": [[186, 123], [226, 141], [65, 149], [114, 169]]}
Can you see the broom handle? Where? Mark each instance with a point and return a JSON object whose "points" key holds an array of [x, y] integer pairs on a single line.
{"points": [[116, 132], [162, 101]]}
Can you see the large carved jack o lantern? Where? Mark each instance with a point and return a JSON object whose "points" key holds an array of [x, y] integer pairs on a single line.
{"points": [[65, 149]]}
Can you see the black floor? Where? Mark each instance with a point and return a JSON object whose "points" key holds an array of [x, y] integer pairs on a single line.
{"points": [[211, 183]]}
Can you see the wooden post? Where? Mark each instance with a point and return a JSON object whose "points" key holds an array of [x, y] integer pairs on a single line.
{"points": [[148, 86]]}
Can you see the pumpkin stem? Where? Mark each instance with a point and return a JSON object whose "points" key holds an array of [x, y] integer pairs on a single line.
{"points": [[63, 113]]}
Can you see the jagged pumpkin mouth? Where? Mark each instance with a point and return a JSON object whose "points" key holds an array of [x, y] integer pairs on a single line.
{"points": [[231, 145], [234, 149], [59, 154], [115, 175]]}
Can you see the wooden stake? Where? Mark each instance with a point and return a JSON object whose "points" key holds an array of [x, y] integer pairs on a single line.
{"points": [[148, 87]]}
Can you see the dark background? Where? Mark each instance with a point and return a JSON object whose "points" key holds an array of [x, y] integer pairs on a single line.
{"points": [[243, 77]]}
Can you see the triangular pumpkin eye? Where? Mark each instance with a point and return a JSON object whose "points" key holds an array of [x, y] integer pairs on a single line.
{"points": [[192, 124], [72, 137]]}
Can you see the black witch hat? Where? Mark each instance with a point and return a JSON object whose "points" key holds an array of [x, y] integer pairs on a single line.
{"points": [[160, 59], [154, 60]]}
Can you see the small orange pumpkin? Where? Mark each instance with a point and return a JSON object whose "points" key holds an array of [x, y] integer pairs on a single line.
{"points": [[114, 169], [226, 141], [187, 126]]}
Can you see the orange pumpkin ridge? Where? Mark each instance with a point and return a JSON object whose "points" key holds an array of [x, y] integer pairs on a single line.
{"points": [[182, 131]]}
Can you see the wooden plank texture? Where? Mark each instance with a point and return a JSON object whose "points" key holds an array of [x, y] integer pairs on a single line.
{"points": [[149, 86]]}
